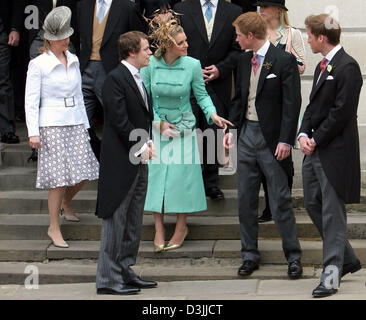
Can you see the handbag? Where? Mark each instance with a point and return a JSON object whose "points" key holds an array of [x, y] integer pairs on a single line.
{"points": [[185, 122], [290, 48]]}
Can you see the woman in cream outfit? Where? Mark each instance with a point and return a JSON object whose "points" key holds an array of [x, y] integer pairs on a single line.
{"points": [[281, 34], [57, 121]]}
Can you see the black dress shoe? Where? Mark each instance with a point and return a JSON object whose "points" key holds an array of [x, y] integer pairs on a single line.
{"points": [[321, 291], [34, 156], [215, 193], [351, 267], [9, 138], [294, 269], [247, 268], [266, 216], [124, 291], [143, 284]]}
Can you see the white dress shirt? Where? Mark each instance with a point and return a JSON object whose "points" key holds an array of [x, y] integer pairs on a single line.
{"points": [[261, 56], [262, 52], [107, 4], [48, 84], [213, 7], [138, 79], [329, 58]]}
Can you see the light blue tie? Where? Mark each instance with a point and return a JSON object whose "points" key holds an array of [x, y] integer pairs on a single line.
{"points": [[101, 11], [208, 13]]}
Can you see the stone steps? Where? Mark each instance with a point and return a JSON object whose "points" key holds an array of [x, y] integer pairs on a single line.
{"points": [[271, 251], [35, 202], [34, 227], [24, 178], [84, 271]]}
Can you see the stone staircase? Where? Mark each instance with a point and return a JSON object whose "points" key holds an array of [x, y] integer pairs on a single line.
{"points": [[211, 251]]}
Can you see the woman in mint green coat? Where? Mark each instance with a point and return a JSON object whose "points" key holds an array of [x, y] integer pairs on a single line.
{"points": [[175, 177]]}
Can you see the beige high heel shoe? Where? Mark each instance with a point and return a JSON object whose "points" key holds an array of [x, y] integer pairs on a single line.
{"points": [[59, 244], [173, 246], [158, 247], [71, 218]]}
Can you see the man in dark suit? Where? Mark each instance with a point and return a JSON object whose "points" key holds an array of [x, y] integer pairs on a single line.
{"points": [[101, 22], [329, 139], [211, 39], [35, 35], [148, 7], [265, 111], [11, 22], [246, 5], [123, 177]]}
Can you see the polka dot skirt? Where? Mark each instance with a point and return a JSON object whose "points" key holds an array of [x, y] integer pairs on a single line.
{"points": [[65, 157]]}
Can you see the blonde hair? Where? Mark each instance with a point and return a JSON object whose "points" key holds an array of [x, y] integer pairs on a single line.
{"points": [[284, 20], [162, 33], [46, 46]]}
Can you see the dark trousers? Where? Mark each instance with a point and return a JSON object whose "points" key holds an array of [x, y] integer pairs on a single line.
{"points": [[265, 189], [93, 78], [255, 157], [7, 107], [121, 234], [328, 213]]}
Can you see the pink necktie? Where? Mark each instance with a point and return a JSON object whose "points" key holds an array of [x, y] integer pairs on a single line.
{"points": [[255, 64], [323, 64]]}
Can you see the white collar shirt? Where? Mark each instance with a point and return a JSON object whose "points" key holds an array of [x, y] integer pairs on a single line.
{"points": [[53, 95], [330, 56], [262, 52], [138, 79], [107, 4], [213, 7]]}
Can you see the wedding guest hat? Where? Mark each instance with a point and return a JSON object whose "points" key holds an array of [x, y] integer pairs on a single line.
{"points": [[57, 24], [275, 3]]}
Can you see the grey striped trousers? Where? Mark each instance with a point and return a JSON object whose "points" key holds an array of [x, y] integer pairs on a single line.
{"points": [[121, 235]]}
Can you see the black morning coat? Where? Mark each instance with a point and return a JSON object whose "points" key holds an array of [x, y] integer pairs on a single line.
{"points": [[123, 17], [331, 119], [278, 99], [124, 111], [11, 14], [222, 51]]}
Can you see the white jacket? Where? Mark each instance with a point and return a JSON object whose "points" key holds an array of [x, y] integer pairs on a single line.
{"points": [[48, 84]]}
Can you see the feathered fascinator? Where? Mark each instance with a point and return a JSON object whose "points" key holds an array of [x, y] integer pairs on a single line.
{"points": [[163, 26]]}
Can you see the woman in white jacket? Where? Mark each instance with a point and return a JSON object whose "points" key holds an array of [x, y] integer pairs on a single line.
{"points": [[57, 122]]}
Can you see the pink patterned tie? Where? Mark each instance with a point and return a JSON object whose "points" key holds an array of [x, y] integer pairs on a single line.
{"points": [[255, 64], [323, 64]]}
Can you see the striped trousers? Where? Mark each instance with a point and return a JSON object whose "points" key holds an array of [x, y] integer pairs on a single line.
{"points": [[121, 234]]}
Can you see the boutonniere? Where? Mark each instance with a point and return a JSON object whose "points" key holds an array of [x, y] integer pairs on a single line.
{"points": [[267, 65], [329, 68]]}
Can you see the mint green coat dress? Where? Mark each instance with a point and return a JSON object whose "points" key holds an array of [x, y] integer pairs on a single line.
{"points": [[175, 176]]}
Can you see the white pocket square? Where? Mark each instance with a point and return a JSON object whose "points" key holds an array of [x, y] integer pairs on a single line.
{"points": [[330, 78], [271, 76]]}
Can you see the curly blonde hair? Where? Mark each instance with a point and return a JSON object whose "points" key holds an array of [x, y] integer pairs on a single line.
{"points": [[162, 33]]}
